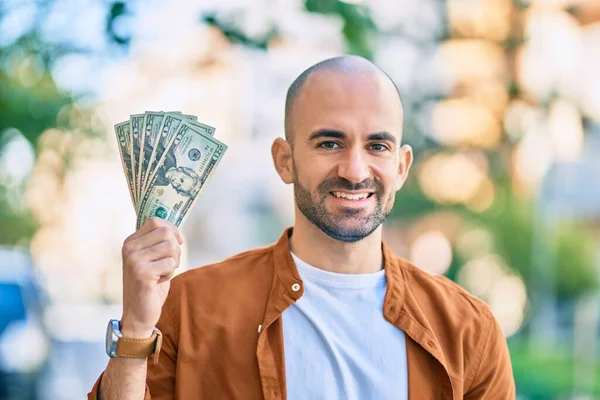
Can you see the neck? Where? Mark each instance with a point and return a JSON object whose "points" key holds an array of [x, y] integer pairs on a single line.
{"points": [[316, 248]]}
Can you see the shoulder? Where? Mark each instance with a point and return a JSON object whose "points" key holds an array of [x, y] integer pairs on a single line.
{"points": [[448, 296], [462, 323]]}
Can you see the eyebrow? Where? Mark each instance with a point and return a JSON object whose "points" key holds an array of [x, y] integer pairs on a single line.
{"points": [[382, 136], [327, 133], [335, 134]]}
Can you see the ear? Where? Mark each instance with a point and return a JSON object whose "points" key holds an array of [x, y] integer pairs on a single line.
{"points": [[281, 151], [406, 159]]}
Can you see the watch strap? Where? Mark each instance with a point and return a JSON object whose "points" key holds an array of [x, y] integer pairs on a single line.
{"points": [[140, 348]]}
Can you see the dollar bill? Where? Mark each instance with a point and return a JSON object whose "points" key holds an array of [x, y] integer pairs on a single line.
{"points": [[189, 160], [151, 126], [136, 121], [123, 133], [150, 143], [167, 130]]}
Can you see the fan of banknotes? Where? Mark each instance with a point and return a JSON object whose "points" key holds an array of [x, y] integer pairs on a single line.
{"points": [[168, 157]]}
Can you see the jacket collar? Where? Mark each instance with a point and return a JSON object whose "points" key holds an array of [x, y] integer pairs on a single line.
{"points": [[287, 276], [400, 307]]}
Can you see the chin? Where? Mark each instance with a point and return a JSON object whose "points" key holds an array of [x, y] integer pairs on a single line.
{"points": [[345, 236], [351, 227], [348, 234]]}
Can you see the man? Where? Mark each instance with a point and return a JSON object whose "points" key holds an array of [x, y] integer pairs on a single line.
{"points": [[328, 312]]}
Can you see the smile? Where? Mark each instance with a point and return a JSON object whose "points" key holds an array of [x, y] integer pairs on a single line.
{"points": [[351, 196]]}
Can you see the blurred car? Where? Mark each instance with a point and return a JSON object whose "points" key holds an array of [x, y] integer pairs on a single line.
{"points": [[24, 343]]}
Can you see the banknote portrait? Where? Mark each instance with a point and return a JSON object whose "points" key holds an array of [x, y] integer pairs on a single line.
{"points": [[183, 179]]}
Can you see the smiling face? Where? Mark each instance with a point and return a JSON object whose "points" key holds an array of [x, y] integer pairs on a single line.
{"points": [[346, 161]]}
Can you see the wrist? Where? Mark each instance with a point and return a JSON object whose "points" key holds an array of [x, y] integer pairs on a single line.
{"points": [[131, 342], [132, 331]]}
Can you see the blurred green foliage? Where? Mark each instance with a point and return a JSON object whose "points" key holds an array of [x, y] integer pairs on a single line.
{"points": [[117, 9], [565, 249], [30, 101], [544, 373], [16, 226], [358, 28], [29, 98], [569, 247]]}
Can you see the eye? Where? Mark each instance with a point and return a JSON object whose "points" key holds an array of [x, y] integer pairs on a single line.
{"points": [[378, 147], [328, 145]]}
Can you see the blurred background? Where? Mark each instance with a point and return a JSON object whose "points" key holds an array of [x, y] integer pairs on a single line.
{"points": [[502, 103]]}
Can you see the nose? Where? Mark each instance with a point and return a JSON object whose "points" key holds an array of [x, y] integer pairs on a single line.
{"points": [[353, 167]]}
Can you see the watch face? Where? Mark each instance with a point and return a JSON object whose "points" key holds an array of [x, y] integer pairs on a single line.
{"points": [[112, 338]]}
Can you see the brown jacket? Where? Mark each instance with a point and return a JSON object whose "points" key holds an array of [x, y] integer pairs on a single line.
{"points": [[223, 336]]}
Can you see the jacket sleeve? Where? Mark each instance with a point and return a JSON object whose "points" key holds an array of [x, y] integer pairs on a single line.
{"points": [[160, 379], [492, 376]]}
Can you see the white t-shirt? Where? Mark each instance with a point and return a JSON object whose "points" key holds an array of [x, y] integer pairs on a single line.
{"points": [[337, 343]]}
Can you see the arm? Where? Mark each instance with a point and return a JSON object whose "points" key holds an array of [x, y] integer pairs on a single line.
{"points": [[492, 375], [140, 377], [150, 257], [124, 375]]}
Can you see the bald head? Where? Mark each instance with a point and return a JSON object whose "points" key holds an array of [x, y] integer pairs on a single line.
{"points": [[346, 67]]}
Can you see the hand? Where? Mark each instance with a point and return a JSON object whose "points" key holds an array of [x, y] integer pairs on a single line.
{"points": [[150, 257]]}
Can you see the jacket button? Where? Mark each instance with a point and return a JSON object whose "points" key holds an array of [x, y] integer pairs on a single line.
{"points": [[296, 287]]}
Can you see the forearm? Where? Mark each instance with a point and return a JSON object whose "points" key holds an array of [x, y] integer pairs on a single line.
{"points": [[124, 378]]}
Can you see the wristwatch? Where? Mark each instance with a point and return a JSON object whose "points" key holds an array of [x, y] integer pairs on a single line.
{"points": [[118, 346]]}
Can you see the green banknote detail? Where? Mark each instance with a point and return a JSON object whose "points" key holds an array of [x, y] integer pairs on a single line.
{"points": [[166, 131], [137, 125], [123, 132], [152, 122], [182, 170]]}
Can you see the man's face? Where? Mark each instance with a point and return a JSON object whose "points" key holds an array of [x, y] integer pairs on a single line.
{"points": [[180, 180], [347, 159]]}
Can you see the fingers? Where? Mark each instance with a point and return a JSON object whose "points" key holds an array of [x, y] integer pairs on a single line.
{"points": [[165, 247], [153, 238], [163, 268], [160, 250], [150, 225], [177, 234], [152, 271], [154, 231], [155, 223], [165, 278]]}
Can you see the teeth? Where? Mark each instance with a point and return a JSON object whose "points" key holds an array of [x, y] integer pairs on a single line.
{"points": [[351, 196]]}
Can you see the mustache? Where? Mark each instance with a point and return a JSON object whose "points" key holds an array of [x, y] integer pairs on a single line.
{"points": [[332, 184]]}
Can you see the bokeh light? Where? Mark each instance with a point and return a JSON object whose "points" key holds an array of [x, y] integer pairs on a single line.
{"points": [[452, 177], [432, 252], [490, 278]]}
